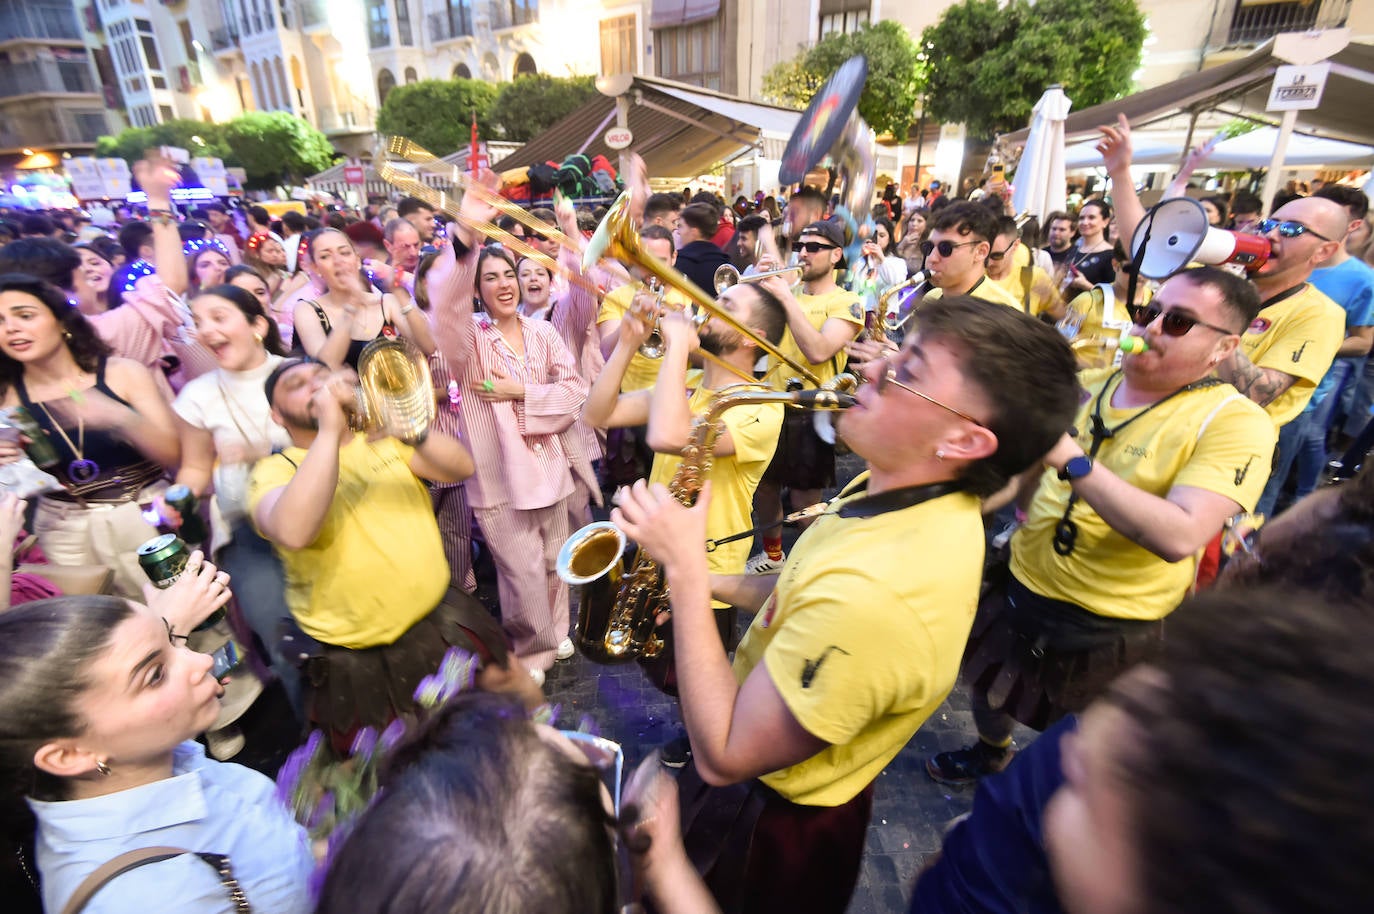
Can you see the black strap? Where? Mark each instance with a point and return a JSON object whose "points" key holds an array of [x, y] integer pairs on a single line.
{"points": [[1066, 531], [324, 318], [867, 506]]}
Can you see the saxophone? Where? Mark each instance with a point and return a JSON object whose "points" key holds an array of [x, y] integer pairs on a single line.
{"points": [[620, 607]]}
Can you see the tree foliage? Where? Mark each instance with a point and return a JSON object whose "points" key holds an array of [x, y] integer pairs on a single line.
{"points": [[988, 62], [534, 102], [437, 113], [895, 69], [276, 146], [132, 143]]}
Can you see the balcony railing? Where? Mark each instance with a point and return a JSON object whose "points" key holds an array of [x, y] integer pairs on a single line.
{"points": [[506, 14], [47, 77], [1256, 23], [53, 127], [39, 20], [224, 38], [454, 22]]}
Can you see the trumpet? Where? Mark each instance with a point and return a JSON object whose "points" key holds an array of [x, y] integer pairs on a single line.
{"points": [[727, 276]]}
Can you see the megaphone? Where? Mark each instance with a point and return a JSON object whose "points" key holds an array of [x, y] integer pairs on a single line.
{"points": [[1175, 233]]}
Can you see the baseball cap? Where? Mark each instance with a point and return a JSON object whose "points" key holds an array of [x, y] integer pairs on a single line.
{"points": [[830, 231]]}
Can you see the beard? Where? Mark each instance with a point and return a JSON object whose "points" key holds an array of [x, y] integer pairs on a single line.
{"points": [[718, 342]]}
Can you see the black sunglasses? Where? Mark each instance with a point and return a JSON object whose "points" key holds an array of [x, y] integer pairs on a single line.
{"points": [[1287, 229], [994, 255], [535, 236], [815, 247], [1174, 324], [944, 247]]}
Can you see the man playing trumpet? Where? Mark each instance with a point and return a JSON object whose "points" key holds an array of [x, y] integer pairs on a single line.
{"points": [[859, 638]]}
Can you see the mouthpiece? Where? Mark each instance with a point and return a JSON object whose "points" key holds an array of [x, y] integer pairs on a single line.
{"points": [[1131, 344], [1127, 344], [822, 399]]}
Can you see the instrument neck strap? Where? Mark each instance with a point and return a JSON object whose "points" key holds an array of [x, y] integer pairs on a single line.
{"points": [[866, 506]]}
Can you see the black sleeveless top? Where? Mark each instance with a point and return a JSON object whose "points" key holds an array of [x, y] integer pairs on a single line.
{"points": [[355, 347], [112, 454]]}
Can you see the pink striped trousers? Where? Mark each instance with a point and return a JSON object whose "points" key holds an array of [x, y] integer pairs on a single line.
{"points": [[534, 600]]}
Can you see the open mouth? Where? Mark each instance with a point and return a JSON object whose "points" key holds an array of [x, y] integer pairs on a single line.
{"points": [[19, 345]]}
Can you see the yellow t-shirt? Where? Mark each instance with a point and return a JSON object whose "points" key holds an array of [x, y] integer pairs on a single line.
{"points": [[1298, 336], [864, 635], [836, 303], [754, 428], [986, 289], [1210, 438], [1042, 294], [641, 372], [377, 566]]}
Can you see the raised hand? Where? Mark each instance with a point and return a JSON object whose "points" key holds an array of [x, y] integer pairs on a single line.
{"points": [[1115, 145]]}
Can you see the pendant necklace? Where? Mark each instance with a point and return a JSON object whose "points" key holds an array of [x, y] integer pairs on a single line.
{"points": [[79, 470]]}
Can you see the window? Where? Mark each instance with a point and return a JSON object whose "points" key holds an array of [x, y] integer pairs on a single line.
{"points": [[842, 16], [1256, 23], [403, 23], [411, 75], [459, 18], [462, 71], [690, 53], [618, 45], [166, 113], [158, 82], [524, 65], [385, 83], [378, 25]]}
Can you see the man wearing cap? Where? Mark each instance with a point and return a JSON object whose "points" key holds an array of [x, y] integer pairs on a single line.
{"points": [[820, 321], [367, 581]]}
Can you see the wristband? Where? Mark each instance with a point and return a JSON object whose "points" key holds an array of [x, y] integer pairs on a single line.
{"points": [[407, 309]]}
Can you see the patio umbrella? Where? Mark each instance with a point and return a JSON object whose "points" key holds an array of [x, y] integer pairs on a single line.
{"points": [[1039, 179]]}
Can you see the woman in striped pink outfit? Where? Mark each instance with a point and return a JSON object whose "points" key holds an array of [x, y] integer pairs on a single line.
{"points": [[521, 391]]}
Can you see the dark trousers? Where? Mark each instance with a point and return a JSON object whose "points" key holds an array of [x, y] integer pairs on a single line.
{"points": [[761, 854]]}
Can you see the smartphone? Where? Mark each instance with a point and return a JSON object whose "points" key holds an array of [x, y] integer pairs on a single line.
{"points": [[226, 660], [999, 169]]}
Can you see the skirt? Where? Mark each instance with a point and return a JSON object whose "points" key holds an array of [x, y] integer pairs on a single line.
{"points": [[349, 689], [1037, 659]]}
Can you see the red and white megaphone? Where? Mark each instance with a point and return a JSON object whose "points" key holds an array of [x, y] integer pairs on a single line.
{"points": [[1179, 235]]}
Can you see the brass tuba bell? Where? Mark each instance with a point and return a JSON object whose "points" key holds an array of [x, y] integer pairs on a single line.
{"points": [[395, 390]]}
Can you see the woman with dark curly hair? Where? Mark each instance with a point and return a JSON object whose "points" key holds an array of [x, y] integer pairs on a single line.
{"points": [[113, 432]]}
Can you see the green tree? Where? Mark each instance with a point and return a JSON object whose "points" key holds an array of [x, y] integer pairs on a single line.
{"points": [[534, 102], [988, 63], [888, 102], [197, 137], [273, 146], [437, 113]]}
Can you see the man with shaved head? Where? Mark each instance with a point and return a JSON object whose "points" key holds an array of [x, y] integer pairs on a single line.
{"points": [[1291, 344]]}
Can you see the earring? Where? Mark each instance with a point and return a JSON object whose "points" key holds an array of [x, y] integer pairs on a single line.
{"points": [[940, 455], [103, 768], [66, 335], [257, 337]]}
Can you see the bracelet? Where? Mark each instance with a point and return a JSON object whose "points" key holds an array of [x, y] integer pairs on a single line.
{"points": [[161, 219], [407, 309]]}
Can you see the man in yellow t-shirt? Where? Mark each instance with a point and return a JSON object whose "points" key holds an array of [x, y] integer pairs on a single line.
{"points": [[642, 371], [1164, 454], [820, 321], [1294, 339], [857, 641], [365, 569], [1009, 266]]}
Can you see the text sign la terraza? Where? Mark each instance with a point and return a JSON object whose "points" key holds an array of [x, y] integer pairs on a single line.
{"points": [[1298, 88]]}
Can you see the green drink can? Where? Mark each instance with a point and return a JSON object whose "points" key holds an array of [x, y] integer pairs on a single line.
{"points": [[163, 559], [193, 529], [40, 450]]}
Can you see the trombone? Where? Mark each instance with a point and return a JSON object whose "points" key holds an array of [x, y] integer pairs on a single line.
{"points": [[616, 237], [726, 276]]}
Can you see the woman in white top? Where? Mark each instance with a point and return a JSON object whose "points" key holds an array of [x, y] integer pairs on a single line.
{"points": [[879, 269], [99, 701], [225, 427]]}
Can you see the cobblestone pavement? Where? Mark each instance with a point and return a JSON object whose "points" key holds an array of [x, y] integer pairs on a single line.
{"points": [[909, 810]]}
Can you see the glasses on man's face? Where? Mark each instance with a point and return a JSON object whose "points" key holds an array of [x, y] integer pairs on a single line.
{"points": [[534, 236], [606, 757], [815, 247], [896, 375], [944, 247], [1287, 229], [996, 255], [1175, 323]]}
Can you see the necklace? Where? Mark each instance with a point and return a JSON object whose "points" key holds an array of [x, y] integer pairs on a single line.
{"points": [[230, 402], [79, 470]]}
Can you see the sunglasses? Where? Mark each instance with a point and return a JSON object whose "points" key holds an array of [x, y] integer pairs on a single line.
{"points": [[1287, 229], [944, 247], [1174, 323], [815, 247], [993, 255], [891, 377]]}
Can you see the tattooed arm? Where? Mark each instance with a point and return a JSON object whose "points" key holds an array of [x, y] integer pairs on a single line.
{"points": [[1262, 385]]}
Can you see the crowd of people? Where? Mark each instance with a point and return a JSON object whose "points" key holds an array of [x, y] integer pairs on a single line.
{"points": [[1071, 524]]}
